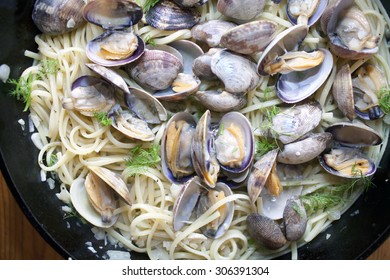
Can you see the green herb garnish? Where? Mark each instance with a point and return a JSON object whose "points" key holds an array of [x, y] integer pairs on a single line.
{"points": [[263, 146], [103, 118], [149, 4], [50, 66], [317, 201], [384, 99], [140, 159], [53, 160], [268, 93], [22, 91]]}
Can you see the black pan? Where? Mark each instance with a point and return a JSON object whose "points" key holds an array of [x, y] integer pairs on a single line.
{"points": [[356, 235]]}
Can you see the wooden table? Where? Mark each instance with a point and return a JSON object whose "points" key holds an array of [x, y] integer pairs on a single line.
{"points": [[20, 241]]}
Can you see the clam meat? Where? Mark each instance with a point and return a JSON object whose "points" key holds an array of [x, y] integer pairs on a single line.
{"points": [[305, 12], [176, 147]]}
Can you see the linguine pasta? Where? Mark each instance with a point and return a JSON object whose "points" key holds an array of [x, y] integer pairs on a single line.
{"points": [[77, 141]]}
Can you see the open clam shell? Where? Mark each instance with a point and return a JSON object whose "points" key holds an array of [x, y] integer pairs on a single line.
{"points": [[81, 203], [234, 144], [347, 163], [203, 154], [176, 162], [297, 86], [186, 83], [109, 75], [112, 14], [305, 12], [93, 48], [287, 41], [342, 91], [207, 198], [351, 44], [90, 95]]}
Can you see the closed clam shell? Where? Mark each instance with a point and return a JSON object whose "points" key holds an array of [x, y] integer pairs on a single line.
{"points": [[220, 100], [249, 38], [167, 15], [58, 16], [304, 150], [210, 32], [201, 65], [241, 9], [293, 123], [294, 219], [343, 92], [190, 3], [237, 73], [265, 231], [155, 70]]}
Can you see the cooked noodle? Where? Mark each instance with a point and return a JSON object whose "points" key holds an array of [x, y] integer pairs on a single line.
{"points": [[78, 141]]}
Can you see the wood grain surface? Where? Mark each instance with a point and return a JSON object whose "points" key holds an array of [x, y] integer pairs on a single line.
{"points": [[20, 241]]}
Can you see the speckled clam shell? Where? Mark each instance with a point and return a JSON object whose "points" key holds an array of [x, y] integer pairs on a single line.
{"points": [[249, 38], [56, 17], [241, 9], [237, 72], [167, 15], [210, 32]]}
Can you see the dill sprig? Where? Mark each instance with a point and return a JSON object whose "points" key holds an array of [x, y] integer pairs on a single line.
{"points": [[103, 118], [384, 99], [316, 201], [149, 4], [22, 90], [49, 67], [53, 160], [140, 159], [263, 146]]}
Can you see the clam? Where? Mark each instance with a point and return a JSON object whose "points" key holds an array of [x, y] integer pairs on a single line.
{"points": [[118, 45], [83, 206], [347, 163], [234, 145], [167, 15], [56, 17], [306, 12], [241, 9], [366, 85], [90, 95], [176, 148], [294, 219], [203, 154], [358, 96], [349, 31], [216, 228], [297, 86], [343, 92], [345, 159], [263, 174], [210, 32], [249, 38], [115, 48], [109, 75], [287, 41], [195, 199], [292, 123], [237, 73], [112, 14], [265, 231], [306, 149], [220, 100], [128, 124], [156, 69], [201, 65], [185, 83], [94, 196]]}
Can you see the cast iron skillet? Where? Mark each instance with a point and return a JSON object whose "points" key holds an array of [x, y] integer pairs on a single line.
{"points": [[355, 236]]}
